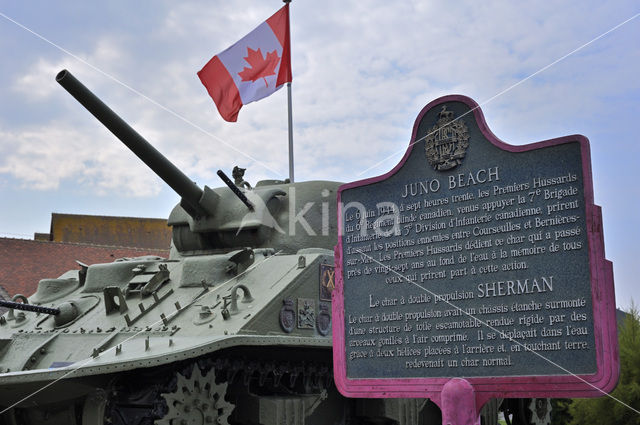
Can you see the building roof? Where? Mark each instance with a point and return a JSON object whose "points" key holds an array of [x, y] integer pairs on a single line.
{"points": [[23, 262]]}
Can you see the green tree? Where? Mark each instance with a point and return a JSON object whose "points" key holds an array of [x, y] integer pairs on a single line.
{"points": [[560, 414], [606, 410]]}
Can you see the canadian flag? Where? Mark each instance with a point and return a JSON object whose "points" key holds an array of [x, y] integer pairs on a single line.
{"points": [[253, 68]]}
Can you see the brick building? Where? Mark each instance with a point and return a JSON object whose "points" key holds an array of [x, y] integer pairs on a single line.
{"points": [[88, 239], [109, 231]]}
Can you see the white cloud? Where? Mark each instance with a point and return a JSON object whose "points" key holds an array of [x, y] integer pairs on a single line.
{"points": [[35, 82], [45, 157]]}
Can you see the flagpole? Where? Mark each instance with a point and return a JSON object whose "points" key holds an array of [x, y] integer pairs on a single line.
{"points": [[290, 118], [290, 134]]}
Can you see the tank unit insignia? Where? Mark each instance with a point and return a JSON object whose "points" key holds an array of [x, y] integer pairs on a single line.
{"points": [[323, 322], [327, 281], [306, 313], [446, 142], [287, 316]]}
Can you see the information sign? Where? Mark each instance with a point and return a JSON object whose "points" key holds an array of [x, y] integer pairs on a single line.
{"points": [[478, 260]]}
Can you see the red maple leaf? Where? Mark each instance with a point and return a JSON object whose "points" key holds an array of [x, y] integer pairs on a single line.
{"points": [[260, 67]]}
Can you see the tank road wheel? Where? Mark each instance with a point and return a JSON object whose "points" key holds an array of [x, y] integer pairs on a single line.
{"points": [[540, 411], [197, 400], [527, 411]]}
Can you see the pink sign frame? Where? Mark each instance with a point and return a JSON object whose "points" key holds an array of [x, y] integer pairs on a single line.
{"points": [[484, 388]]}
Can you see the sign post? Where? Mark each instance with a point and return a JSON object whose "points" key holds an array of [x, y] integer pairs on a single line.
{"points": [[472, 270]]}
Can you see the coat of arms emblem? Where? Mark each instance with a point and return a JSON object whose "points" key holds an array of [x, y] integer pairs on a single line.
{"points": [[306, 313], [287, 316], [447, 141], [323, 320]]}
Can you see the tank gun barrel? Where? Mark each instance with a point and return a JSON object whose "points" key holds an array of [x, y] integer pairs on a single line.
{"points": [[29, 307], [191, 194]]}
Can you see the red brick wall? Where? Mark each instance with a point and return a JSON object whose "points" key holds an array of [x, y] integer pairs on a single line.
{"points": [[24, 262]]}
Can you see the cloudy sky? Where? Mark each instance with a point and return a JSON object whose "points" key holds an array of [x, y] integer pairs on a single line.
{"points": [[362, 72]]}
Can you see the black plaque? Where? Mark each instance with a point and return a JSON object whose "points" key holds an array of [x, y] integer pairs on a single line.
{"points": [[475, 259]]}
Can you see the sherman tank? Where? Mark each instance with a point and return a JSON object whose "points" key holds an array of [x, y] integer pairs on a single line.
{"points": [[233, 328]]}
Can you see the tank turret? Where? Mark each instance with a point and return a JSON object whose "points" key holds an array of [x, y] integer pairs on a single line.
{"points": [[208, 219]]}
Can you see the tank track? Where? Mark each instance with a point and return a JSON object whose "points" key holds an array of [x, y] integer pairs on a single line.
{"points": [[136, 398]]}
